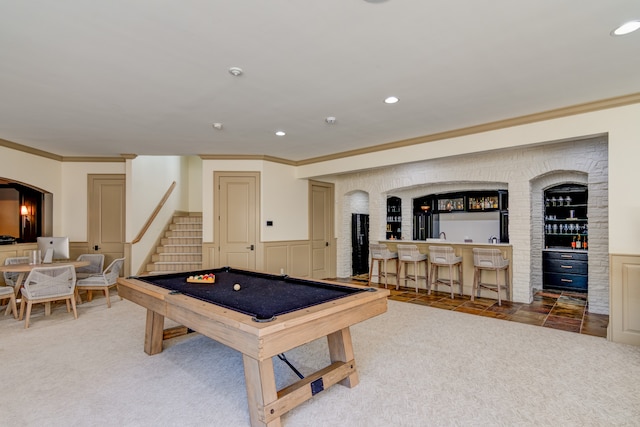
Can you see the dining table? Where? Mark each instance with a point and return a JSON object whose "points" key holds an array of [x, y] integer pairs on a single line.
{"points": [[24, 269]]}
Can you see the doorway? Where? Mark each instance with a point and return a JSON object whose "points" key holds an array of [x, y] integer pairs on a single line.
{"points": [[236, 217], [321, 229], [106, 215]]}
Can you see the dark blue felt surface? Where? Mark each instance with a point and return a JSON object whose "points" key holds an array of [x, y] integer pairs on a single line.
{"points": [[261, 295]]}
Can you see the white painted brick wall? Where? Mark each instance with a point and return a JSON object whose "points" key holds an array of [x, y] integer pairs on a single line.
{"points": [[525, 172]]}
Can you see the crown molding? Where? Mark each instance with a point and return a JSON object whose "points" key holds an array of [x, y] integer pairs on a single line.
{"points": [[588, 107], [94, 159], [262, 157], [29, 150], [619, 101]]}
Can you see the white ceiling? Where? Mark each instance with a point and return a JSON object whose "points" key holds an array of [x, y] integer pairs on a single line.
{"points": [[101, 78]]}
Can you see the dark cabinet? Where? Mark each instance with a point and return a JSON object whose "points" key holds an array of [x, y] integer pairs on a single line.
{"points": [[394, 218], [424, 218], [359, 244], [427, 210], [566, 271], [565, 217]]}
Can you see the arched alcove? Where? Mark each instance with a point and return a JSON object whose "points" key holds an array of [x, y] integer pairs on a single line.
{"points": [[25, 211]]}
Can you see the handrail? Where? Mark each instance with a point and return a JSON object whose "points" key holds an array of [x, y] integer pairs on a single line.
{"points": [[154, 214]]}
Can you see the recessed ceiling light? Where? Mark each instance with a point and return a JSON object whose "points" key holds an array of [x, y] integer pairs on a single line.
{"points": [[280, 133], [217, 126], [626, 28], [391, 100], [330, 120], [235, 71]]}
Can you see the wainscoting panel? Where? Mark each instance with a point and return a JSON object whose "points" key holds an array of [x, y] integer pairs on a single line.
{"points": [[209, 252], [300, 257], [624, 317], [292, 257]]}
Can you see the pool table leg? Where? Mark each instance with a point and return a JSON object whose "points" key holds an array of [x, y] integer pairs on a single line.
{"points": [[261, 390], [153, 333], [341, 350]]}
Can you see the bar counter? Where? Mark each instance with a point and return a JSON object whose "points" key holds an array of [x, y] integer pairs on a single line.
{"points": [[466, 251]]}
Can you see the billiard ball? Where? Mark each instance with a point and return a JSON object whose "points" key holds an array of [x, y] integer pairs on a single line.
{"points": [[236, 287]]}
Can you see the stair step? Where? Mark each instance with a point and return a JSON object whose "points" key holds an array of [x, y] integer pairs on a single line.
{"points": [[187, 219], [166, 241], [180, 248], [183, 233], [177, 257], [191, 249], [174, 266]]}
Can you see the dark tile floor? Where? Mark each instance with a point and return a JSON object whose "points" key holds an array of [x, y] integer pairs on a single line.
{"points": [[562, 310]]}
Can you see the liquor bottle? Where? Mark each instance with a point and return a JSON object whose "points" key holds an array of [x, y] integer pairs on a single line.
{"points": [[584, 244], [579, 243], [573, 244]]}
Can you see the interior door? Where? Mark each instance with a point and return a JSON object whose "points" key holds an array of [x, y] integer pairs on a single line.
{"points": [[321, 211], [237, 207], [106, 215]]}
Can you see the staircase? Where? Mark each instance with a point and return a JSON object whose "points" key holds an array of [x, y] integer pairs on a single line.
{"points": [[181, 247]]}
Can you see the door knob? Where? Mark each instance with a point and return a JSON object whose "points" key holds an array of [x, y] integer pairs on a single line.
{"points": [[250, 247]]}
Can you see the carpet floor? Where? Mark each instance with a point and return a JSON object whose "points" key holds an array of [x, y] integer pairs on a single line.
{"points": [[418, 366]]}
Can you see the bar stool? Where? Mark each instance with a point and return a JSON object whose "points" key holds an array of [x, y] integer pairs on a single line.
{"points": [[382, 254], [492, 260], [6, 292], [444, 256], [410, 254]]}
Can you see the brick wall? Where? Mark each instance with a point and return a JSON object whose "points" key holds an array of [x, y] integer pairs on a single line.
{"points": [[525, 172]]}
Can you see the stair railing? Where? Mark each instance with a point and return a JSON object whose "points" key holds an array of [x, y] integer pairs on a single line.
{"points": [[154, 214]]}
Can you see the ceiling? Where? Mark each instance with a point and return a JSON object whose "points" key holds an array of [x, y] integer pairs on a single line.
{"points": [[103, 78]]}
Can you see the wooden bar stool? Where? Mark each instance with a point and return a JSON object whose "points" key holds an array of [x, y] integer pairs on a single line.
{"points": [[444, 257], [492, 260], [410, 255], [382, 254]]}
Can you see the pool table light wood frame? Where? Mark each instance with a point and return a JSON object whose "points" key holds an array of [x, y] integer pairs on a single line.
{"points": [[259, 342]]}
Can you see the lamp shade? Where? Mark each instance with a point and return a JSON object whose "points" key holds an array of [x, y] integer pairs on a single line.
{"points": [[24, 210]]}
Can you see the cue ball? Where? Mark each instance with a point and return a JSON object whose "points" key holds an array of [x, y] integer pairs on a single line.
{"points": [[236, 287]]}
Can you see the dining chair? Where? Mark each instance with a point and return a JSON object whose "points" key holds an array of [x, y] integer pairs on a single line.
{"points": [[48, 284], [95, 267], [102, 282], [11, 278], [6, 292]]}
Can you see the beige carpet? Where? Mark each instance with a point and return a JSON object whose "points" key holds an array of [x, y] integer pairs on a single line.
{"points": [[419, 366]]}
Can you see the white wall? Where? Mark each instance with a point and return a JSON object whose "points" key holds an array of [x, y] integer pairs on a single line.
{"points": [[73, 200], [36, 171], [622, 125], [285, 201], [283, 198], [194, 165], [512, 169], [148, 179], [477, 226]]}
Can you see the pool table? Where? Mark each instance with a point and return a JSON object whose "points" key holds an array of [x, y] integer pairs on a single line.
{"points": [[269, 315]]}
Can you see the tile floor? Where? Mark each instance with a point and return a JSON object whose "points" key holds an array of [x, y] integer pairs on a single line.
{"points": [[551, 309]]}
